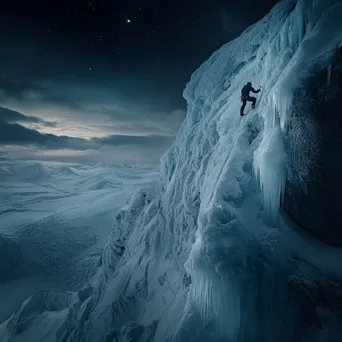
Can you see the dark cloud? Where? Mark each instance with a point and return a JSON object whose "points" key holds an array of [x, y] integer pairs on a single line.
{"points": [[50, 93], [99, 108], [17, 89], [12, 133], [145, 119], [12, 89], [15, 134], [12, 116], [131, 140]]}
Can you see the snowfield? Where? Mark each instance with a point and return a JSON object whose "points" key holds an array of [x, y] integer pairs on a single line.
{"points": [[205, 253], [54, 222]]}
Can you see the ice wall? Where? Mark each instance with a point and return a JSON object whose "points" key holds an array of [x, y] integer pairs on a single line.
{"points": [[201, 255]]}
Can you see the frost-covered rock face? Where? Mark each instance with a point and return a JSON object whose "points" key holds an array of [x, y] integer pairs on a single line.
{"points": [[312, 194], [203, 254]]}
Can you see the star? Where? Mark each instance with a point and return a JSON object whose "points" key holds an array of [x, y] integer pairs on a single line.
{"points": [[128, 21]]}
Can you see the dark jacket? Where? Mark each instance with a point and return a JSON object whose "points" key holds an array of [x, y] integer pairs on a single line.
{"points": [[247, 89]]}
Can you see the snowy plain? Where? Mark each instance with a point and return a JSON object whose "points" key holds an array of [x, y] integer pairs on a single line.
{"points": [[54, 222], [205, 253]]}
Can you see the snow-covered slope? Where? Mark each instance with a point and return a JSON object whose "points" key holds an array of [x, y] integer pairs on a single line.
{"points": [[53, 229], [203, 255]]}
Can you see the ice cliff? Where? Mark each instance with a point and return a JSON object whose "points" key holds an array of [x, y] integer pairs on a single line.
{"points": [[211, 252]]}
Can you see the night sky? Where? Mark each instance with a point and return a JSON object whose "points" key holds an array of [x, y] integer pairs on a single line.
{"points": [[102, 81]]}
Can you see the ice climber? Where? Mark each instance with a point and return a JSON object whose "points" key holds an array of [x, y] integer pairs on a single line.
{"points": [[245, 96]]}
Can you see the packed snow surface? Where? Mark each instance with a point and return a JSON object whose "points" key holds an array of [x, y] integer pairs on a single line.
{"points": [[204, 254], [54, 222]]}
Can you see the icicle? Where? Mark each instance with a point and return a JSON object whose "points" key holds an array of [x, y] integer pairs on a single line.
{"points": [[270, 161]]}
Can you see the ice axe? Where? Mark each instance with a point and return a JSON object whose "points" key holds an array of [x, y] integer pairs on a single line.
{"points": [[260, 87]]}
